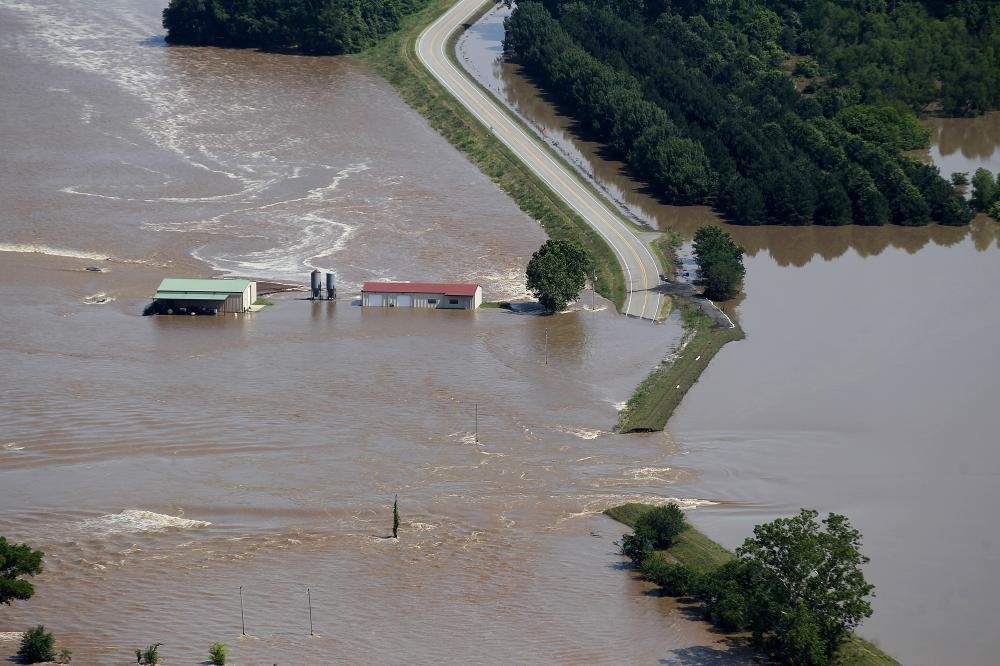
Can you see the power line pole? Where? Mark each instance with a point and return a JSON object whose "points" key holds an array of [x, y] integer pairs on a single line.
{"points": [[546, 346], [242, 619], [477, 423]]}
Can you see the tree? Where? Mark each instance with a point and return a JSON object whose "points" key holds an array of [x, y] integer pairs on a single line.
{"points": [[557, 273], [720, 262], [395, 517], [17, 560], [37, 646], [807, 567], [984, 189], [217, 654], [664, 524]]}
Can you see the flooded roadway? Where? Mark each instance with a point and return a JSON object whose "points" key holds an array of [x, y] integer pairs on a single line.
{"points": [[163, 463], [865, 386]]}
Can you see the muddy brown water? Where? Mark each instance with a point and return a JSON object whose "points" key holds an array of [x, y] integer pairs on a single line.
{"points": [[163, 463], [865, 385]]}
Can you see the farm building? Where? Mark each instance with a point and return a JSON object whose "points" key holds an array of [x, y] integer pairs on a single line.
{"points": [[421, 295], [183, 296]]}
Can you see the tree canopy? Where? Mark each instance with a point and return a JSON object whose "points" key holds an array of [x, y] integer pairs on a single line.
{"points": [[17, 561], [557, 272], [309, 26], [699, 100], [720, 262]]}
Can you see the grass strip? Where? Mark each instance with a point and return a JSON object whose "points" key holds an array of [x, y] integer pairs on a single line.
{"points": [[702, 554], [395, 59], [655, 399]]}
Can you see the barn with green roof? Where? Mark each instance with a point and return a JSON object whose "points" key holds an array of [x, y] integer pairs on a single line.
{"points": [[185, 296]]}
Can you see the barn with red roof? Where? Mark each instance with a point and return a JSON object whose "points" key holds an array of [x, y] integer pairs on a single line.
{"points": [[427, 295]]}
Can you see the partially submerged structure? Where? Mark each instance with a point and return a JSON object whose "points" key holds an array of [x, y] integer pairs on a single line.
{"points": [[427, 295], [184, 296]]}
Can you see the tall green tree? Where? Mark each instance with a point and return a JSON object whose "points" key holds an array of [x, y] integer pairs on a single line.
{"points": [[720, 262], [984, 189], [813, 569], [17, 561], [557, 272]]}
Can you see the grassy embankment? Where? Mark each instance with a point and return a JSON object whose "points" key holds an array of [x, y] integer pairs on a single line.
{"points": [[699, 552], [396, 60], [656, 398]]}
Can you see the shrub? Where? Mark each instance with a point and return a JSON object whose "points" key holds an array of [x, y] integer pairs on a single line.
{"points": [[37, 645], [638, 545], [150, 656], [675, 579], [217, 654], [960, 178], [664, 523], [65, 656]]}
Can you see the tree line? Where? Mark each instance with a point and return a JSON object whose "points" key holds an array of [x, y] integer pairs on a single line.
{"points": [[796, 585], [697, 99], [322, 27]]}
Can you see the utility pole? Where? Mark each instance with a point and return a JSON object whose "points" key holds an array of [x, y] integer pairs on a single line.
{"points": [[477, 423], [309, 597], [593, 293], [242, 619], [546, 346]]}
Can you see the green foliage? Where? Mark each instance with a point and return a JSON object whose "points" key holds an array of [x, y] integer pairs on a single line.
{"points": [[806, 68], [395, 517], [557, 272], [960, 178], [994, 210], [984, 189], [65, 656], [720, 262], [663, 523], [150, 656], [17, 560], [696, 100], [217, 654], [808, 580], [638, 545], [309, 26], [675, 579], [37, 645]]}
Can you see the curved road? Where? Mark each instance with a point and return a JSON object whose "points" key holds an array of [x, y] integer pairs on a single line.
{"points": [[641, 269]]}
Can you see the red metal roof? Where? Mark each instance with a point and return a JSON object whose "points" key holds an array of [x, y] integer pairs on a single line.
{"points": [[447, 289]]}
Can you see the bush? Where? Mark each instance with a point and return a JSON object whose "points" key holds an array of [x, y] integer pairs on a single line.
{"points": [[150, 656], [638, 545], [217, 654], [960, 178], [664, 523], [65, 656], [37, 645], [675, 579]]}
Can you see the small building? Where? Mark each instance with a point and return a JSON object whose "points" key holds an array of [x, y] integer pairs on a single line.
{"points": [[421, 295], [183, 296]]}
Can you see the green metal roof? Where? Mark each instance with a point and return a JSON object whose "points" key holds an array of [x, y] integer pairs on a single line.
{"points": [[183, 285], [191, 296]]}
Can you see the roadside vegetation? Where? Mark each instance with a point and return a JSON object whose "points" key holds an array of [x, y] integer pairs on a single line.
{"points": [[654, 401], [322, 27], [796, 585], [557, 272], [720, 262], [395, 59], [700, 102], [986, 193]]}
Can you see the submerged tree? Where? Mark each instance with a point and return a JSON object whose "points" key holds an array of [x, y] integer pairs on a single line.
{"points": [[720, 262], [395, 517], [557, 273], [17, 560]]}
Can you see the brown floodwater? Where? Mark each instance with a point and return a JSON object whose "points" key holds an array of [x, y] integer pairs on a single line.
{"points": [[866, 385], [164, 463]]}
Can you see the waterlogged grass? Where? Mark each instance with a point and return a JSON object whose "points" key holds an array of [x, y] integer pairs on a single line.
{"points": [[500, 305], [396, 60], [656, 398], [701, 553]]}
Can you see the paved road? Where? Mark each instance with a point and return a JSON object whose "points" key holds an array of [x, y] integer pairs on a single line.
{"points": [[642, 272]]}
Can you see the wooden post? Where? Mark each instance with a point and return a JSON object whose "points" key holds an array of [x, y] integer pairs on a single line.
{"points": [[309, 597], [242, 619]]}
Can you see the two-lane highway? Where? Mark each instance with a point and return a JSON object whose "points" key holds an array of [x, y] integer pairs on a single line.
{"points": [[641, 269]]}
